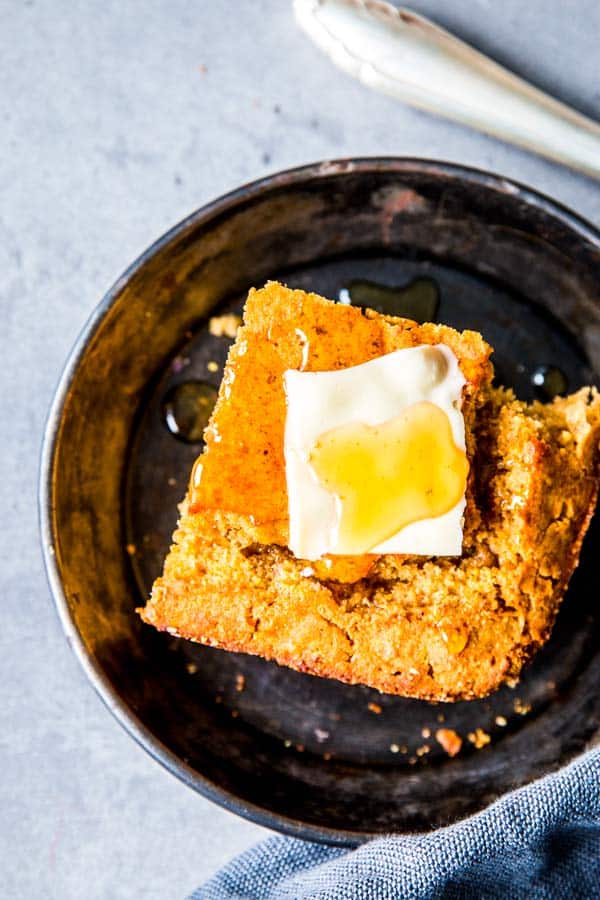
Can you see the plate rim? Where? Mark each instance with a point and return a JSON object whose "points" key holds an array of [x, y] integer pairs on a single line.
{"points": [[239, 197]]}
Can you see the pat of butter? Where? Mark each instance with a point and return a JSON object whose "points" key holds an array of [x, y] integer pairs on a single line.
{"points": [[382, 392]]}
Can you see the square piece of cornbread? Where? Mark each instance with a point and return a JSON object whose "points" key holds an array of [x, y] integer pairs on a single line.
{"points": [[431, 627]]}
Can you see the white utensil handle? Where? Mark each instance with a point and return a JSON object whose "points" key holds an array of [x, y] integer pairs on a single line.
{"points": [[402, 54]]}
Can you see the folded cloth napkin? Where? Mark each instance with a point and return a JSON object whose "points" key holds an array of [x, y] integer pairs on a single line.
{"points": [[542, 841]]}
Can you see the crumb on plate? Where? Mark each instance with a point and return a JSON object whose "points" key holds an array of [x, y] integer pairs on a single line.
{"points": [[224, 326], [449, 740]]}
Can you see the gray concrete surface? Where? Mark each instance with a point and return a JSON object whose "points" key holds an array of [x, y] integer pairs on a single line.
{"points": [[116, 120]]}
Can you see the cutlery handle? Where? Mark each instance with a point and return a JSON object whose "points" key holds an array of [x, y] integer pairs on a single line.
{"points": [[405, 55]]}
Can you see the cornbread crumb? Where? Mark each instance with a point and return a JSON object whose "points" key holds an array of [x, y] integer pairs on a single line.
{"points": [[479, 738], [521, 708], [240, 682], [212, 366], [395, 748], [421, 751], [426, 732], [224, 326], [131, 549], [449, 740], [375, 708], [501, 722], [191, 668]]}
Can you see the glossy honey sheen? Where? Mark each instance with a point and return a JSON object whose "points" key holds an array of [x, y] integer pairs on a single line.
{"points": [[390, 475]]}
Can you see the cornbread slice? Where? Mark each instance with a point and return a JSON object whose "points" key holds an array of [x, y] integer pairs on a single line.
{"points": [[242, 470], [434, 628]]}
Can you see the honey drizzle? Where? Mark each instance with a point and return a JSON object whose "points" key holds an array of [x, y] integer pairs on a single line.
{"points": [[390, 475]]}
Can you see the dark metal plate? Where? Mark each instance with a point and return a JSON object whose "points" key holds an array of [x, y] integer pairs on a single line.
{"points": [[299, 753]]}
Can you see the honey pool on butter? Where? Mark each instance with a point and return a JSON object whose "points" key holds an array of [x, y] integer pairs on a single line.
{"points": [[390, 475], [375, 456]]}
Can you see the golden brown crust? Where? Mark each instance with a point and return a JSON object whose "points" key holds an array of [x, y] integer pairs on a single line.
{"points": [[433, 628], [243, 469]]}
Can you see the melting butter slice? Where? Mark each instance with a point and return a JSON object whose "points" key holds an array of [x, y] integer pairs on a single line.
{"points": [[375, 456]]}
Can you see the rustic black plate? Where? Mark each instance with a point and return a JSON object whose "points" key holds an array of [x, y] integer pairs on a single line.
{"points": [[301, 754]]}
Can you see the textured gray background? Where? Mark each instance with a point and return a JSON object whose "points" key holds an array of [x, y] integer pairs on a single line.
{"points": [[116, 120]]}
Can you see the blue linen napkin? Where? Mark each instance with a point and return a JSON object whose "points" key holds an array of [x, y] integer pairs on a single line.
{"points": [[542, 841]]}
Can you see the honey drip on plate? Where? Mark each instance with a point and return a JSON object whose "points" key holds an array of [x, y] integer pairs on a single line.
{"points": [[187, 408], [418, 300], [549, 382], [390, 475]]}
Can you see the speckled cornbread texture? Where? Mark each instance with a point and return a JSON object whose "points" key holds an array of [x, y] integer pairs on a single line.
{"points": [[434, 628], [243, 466]]}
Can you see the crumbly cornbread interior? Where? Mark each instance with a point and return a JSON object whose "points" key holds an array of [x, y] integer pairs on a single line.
{"points": [[433, 628]]}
